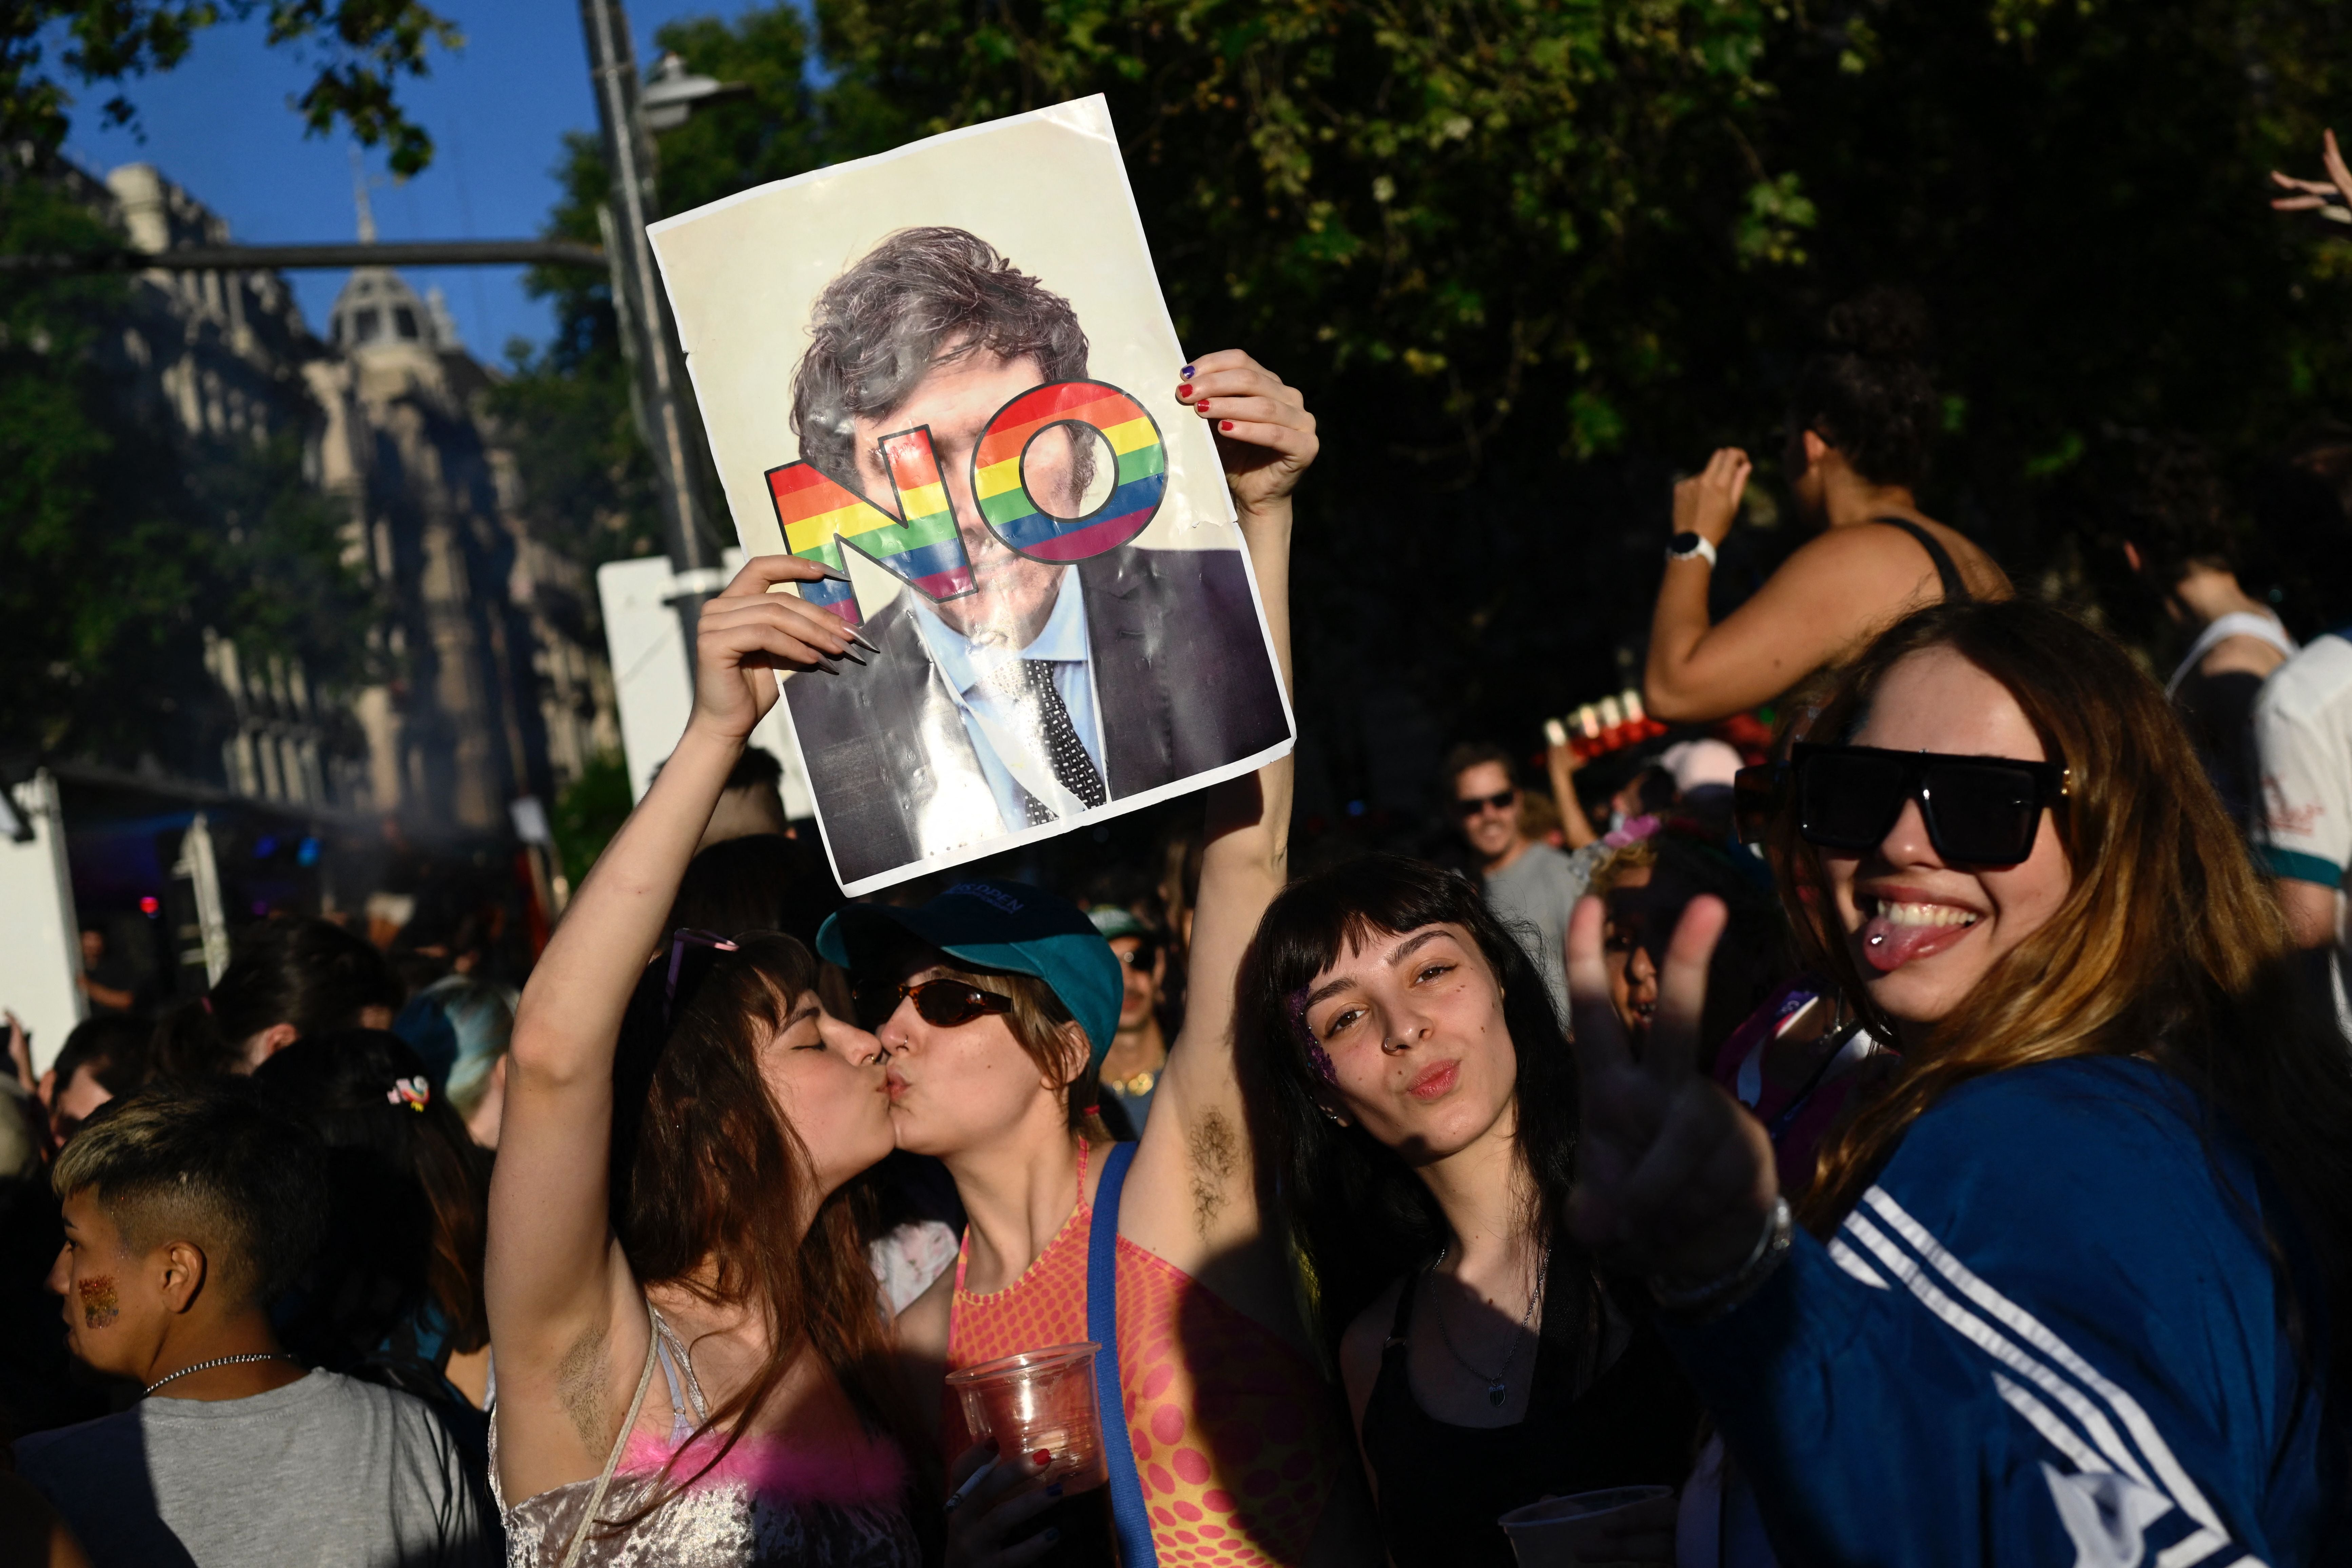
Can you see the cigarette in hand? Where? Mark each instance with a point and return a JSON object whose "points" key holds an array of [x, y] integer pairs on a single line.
{"points": [[972, 1483]]}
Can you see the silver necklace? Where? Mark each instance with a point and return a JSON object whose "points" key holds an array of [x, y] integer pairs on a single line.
{"points": [[216, 1361], [1499, 1385]]}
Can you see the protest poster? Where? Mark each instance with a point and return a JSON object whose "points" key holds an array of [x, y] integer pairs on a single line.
{"points": [[949, 371]]}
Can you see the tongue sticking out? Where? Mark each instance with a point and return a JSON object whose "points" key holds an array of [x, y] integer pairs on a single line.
{"points": [[1889, 943]]}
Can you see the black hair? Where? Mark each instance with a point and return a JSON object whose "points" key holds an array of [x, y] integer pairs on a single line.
{"points": [[1868, 392], [1358, 1215], [762, 882], [2175, 511], [410, 1197], [309, 973], [115, 1048], [213, 1161], [756, 766]]}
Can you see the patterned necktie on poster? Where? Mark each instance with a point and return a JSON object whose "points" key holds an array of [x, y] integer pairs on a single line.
{"points": [[1028, 685]]}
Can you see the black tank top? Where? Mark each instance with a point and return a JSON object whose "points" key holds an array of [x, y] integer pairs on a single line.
{"points": [[1442, 1487], [1956, 587]]}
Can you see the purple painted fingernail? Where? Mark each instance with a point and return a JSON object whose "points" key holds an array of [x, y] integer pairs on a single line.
{"points": [[1187, 372]]}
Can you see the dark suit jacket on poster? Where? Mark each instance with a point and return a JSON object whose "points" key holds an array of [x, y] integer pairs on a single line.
{"points": [[1181, 671]]}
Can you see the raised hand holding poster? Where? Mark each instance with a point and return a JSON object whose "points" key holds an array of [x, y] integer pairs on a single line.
{"points": [[949, 372]]}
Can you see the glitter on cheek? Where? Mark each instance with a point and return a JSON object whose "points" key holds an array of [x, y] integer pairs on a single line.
{"points": [[100, 1305]]}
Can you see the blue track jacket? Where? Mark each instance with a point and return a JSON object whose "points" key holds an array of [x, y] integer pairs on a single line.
{"points": [[2050, 1334]]}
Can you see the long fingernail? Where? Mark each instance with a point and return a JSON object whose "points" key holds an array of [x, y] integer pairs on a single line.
{"points": [[836, 576], [861, 637], [853, 656]]}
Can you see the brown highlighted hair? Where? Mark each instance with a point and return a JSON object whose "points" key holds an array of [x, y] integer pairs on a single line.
{"points": [[210, 1161], [2168, 944], [879, 327], [711, 1187]]}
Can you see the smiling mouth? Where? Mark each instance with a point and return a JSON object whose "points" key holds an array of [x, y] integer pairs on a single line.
{"points": [[1899, 932]]}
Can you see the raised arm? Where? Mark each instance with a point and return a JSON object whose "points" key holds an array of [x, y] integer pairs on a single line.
{"points": [[1823, 600], [564, 1321], [1193, 1196]]}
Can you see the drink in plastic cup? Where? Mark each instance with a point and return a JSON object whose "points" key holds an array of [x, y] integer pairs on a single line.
{"points": [[1573, 1532], [1040, 1399]]}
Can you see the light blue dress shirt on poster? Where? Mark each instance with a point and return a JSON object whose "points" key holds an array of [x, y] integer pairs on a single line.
{"points": [[964, 663]]}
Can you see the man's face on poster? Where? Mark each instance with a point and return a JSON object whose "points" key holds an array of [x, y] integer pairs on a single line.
{"points": [[1013, 595]]}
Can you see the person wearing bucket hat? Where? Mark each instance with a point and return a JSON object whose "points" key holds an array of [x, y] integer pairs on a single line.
{"points": [[997, 1002]]}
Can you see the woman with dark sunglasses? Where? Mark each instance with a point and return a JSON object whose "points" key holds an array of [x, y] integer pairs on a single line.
{"points": [[998, 1003], [693, 1364], [2072, 1286]]}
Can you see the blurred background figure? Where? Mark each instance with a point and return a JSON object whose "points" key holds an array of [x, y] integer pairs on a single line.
{"points": [[2183, 544], [394, 1295], [1862, 422], [1702, 770], [103, 1057], [1130, 1070], [106, 980], [1530, 885], [286, 980], [460, 1027]]}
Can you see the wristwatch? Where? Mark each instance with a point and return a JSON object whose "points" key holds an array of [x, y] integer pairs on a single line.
{"points": [[1685, 545]]}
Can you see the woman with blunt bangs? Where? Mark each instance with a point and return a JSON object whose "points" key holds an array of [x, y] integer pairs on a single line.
{"points": [[667, 1213], [2073, 1286], [1416, 1101], [997, 1002]]}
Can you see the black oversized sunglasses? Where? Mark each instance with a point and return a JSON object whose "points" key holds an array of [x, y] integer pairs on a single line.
{"points": [[1980, 810], [942, 1004]]}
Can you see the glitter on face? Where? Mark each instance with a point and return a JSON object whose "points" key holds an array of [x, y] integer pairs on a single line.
{"points": [[100, 1305]]}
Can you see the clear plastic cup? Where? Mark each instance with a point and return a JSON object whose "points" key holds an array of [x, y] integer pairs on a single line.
{"points": [[1574, 1531], [1040, 1399]]}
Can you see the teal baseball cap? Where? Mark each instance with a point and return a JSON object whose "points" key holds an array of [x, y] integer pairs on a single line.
{"points": [[993, 924]]}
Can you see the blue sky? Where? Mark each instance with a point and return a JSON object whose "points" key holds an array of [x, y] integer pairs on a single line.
{"points": [[221, 126]]}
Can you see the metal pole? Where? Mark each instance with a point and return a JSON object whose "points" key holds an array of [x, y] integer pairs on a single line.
{"points": [[662, 393]]}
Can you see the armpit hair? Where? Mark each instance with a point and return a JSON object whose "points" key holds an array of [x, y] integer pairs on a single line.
{"points": [[1216, 1152], [579, 1387]]}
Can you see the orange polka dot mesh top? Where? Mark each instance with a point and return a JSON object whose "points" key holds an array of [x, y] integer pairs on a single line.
{"points": [[1238, 1439]]}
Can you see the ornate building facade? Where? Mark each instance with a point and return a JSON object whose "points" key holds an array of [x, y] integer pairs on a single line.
{"points": [[494, 687]]}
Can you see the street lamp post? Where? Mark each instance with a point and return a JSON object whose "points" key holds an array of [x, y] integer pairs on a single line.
{"points": [[658, 389]]}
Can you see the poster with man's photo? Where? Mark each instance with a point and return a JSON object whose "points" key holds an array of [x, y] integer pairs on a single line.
{"points": [[948, 371]]}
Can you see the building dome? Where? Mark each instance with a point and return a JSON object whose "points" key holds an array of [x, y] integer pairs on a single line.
{"points": [[378, 308]]}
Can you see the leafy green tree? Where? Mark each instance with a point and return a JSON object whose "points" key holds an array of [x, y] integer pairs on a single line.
{"points": [[126, 541], [362, 48], [1528, 257]]}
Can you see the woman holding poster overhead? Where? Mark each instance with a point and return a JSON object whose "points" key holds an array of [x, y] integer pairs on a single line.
{"points": [[995, 1003]]}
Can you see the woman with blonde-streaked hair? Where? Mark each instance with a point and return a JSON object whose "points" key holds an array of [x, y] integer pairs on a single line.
{"points": [[2065, 1289]]}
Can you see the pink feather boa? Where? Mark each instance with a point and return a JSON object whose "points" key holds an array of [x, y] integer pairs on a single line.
{"points": [[864, 1472]]}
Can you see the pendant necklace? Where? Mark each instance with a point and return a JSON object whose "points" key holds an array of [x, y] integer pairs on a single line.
{"points": [[1499, 1385]]}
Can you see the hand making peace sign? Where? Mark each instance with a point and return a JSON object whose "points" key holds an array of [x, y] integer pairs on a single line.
{"points": [[1674, 1179]]}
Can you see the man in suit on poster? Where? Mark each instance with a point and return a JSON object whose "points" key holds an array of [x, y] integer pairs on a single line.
{"points": [[1049, 689]]}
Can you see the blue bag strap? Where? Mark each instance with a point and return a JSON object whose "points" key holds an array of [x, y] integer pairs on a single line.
{"points": [[1128, 1521]]}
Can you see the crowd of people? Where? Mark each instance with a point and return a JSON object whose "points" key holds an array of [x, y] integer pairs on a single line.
{"points": [[1916, 1139]]}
